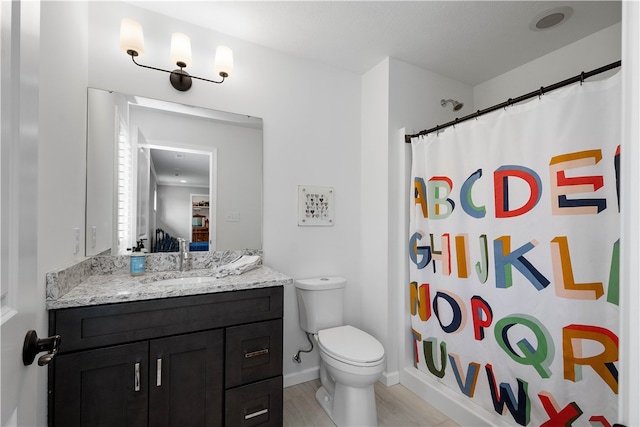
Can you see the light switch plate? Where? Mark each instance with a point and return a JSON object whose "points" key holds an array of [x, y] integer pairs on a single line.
{"points": [[233, 216]]}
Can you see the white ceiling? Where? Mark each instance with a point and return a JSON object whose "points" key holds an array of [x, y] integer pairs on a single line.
{"points": [[173, 167], [470, 41]]}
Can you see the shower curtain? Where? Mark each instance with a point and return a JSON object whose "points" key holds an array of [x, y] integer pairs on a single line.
{"points": [[514, 247]]}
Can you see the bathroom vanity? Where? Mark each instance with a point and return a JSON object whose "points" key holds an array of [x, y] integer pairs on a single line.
{"points": [[179, 353]]}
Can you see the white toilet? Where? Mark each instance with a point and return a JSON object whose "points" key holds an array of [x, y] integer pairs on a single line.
{"points": [[351, 361]]}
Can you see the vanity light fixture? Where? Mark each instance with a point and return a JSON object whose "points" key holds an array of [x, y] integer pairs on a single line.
{"points": [[132, 42]]}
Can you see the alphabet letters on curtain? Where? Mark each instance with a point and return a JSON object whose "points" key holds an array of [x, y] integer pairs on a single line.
{"points": [[514, 250]]}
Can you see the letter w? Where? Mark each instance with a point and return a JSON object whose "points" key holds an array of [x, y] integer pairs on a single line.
{"points": [[520, 409]]}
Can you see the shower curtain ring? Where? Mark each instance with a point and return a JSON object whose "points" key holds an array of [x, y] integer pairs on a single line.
{"points": [[581, 78], [541, 92]]}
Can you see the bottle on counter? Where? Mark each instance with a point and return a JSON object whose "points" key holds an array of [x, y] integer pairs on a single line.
{"points": [[137, 259]]}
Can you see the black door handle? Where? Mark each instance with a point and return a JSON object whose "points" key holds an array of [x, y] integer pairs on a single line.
{"points": [[34, 345]]}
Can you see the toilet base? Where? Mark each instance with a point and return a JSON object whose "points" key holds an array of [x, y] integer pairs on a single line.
{"points": [[324, 399], [350, 407]]}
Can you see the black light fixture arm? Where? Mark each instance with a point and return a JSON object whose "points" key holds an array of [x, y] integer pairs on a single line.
{"points": [[133, 58], [222, 74], [180, 79]]}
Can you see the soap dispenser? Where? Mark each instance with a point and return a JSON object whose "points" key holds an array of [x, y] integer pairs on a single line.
{"points": [[137, 260]]}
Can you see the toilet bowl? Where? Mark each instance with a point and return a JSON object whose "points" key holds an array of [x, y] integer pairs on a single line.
{"points": [[351, 360]]}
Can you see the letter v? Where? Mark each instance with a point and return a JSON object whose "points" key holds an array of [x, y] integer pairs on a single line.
{"points": [[466, 383]]}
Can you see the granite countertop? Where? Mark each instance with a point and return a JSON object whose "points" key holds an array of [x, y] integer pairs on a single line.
{"points": [[116, 288]]}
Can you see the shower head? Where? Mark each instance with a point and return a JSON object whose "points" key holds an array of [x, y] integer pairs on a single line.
{"points": [[456, 105]]}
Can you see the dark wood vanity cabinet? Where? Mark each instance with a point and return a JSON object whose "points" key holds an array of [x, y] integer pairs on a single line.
{"points": [[206, 360], [94, 387]]}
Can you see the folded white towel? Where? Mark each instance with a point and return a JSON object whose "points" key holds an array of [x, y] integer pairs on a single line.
{"points": [[239, 266]]}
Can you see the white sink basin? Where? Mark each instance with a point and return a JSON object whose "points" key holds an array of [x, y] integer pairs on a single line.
{"points": [[186, 281]]}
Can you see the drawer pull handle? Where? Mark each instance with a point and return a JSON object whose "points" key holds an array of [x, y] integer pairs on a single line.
{"points": [[158, 372], [136, 377], [256, 353], [256, 414]]}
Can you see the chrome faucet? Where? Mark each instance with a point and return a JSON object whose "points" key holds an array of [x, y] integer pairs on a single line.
{"points": [[184, 254]]}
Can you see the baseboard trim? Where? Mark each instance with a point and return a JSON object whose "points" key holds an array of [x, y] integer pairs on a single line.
{"points": [[301, 377], [387, 378], [390, 378], [448, 402]]}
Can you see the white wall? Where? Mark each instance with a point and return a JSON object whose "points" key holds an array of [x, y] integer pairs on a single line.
{"points": [[414, 105], [100, 212], [630, 245], [374, 199], [174, 210], [395, 94], [587, 54], [62, 135]]}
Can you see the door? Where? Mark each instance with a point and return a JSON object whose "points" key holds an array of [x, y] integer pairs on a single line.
{"points": [[22, 388], [102, 388], [186, 380]]}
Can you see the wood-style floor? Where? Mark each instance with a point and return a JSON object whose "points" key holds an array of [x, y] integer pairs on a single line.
{"points": [[396, 406]]}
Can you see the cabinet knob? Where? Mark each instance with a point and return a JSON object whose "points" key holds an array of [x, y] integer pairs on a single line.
{"points": [[136, 377], [34, 345], [158, 372]]}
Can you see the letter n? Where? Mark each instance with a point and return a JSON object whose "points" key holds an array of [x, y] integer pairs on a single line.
{"points": [[419, 300]]}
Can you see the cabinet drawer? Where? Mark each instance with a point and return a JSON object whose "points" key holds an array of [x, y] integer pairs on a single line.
{"points": [[253, 352], [258, 404], [103, 325]]}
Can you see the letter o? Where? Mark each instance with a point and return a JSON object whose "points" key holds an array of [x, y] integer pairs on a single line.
{"points": [[458, 314]]}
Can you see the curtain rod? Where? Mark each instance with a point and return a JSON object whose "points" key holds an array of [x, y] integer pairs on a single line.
{"points": [[579, 78]]}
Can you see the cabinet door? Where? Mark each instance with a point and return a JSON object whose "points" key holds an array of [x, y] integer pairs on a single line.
{"points": [[105, 387], [186, 380]]}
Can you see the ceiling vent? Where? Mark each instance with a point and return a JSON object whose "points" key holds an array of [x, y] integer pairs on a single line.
{"points": [[550, 18]]}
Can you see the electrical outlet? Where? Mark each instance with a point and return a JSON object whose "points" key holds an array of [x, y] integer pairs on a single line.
{"points": [[76, 238], [94, 236], [233, 216]]}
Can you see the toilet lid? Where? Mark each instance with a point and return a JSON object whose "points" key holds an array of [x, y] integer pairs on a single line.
{"points": [[349, 343]]}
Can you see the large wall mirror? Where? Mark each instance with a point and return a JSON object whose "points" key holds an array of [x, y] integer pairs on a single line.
{"points": [[159, 171]]}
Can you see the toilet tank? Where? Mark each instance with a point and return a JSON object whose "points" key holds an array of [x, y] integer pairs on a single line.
{"points": [[320, 302]]}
